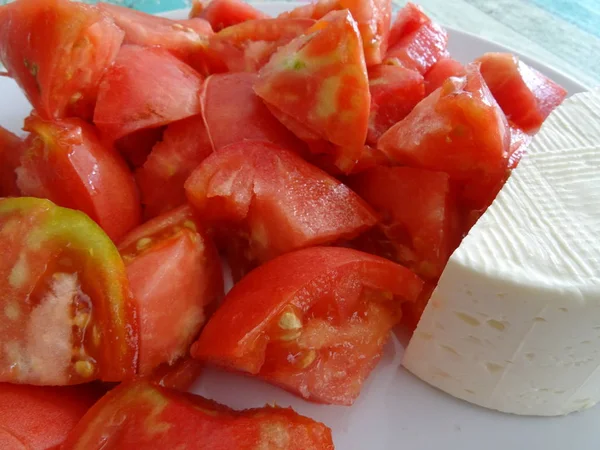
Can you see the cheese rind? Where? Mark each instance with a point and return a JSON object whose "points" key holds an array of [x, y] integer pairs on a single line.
{"points": [[514, 323]]}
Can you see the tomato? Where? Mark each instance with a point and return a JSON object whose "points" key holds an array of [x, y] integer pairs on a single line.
{"points": [[133, 96], [143, 416], [10, 158], [395, 91], [40, 418], [185, 145], [247, 46], [179, 376], [174, 271], [519, 141], [313, 321], [445, 68], [458, 129], [225, 13], [525, 95], [232, 112], [412, 311], [321, 88], [136, 147], [419, 226], [64, 161], [68, 312], [263, 201], [416, 43], [57, 51]]}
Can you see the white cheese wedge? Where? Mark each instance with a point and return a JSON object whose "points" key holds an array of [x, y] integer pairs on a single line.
{"points": [[514, 324]]}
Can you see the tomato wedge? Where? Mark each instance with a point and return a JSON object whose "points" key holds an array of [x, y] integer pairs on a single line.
{"points": [[225, 13], [57, 51], [143, 416], [10, 158], [69, 315], [445, 68], [525, 95], [313, 321], [263, 201], [133, 96], [137, 146], [179, 376], [40, 418], [64, 161], [174, 272], [519, 141], [412, 312]]}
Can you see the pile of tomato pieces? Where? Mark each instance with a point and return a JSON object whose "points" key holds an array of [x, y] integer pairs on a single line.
{"points": [[334, 159]]}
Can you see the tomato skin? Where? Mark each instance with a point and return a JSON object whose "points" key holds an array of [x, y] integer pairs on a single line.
{"points": [[445, 68], [11, 147], [65, 161], [143, 416], [225, 13], [174, 272], [263, 201], [525, 95], [57, 51], [132, 94]]}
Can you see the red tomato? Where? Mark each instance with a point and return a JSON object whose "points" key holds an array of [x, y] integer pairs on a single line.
{"points": [[185, 145], [40, 418], [64, 161], [395, 91], [525, 95], [69, 316], [142, 416], [57, 51], [136, 147], [264, 201], [519, 141], [419, 227], [409, 19], [133, 94], [458, 129], [11, 148], [412, 312], [232, 113], [180, 376], [445, 68], [248, 46], [313, 321], [321, 88], [225, 13], [174, 272]]}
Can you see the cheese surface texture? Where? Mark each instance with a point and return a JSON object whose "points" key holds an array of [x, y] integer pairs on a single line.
{"points": [[514, 323]]}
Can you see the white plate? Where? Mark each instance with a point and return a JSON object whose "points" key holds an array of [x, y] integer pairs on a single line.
{"points": [[395, 410]]}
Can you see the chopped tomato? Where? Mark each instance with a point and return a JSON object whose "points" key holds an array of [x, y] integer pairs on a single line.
{"points": [[185, 145], [225, 13], [321, 88], [412, 311], [143, 416], [180, 376], [445, 68], [40, 418], [458, 129], [395, 91], [69, 315], [65, 162], [525, 95], [57, 51], [232, 113], [419, 226], [248, 46], [263, 201], [133, 94], [519, 141], [313, 321], [136, 147], [11, 148], [174, 271], [408, 20]]}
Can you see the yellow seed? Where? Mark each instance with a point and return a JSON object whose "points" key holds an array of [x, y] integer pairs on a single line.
{"points": [[291, 335], [96, 336], [143, 243], [306, 359], [81, 319], [289, 321], [84, 368], [12, 311], [190, 224]]}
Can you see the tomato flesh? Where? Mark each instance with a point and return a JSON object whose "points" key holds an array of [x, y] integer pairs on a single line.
{"points": [[225, 13], [10, 158], [445, 68], [179, 376]]}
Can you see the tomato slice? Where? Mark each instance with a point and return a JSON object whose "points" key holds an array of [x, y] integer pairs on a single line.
{"points": [[519, 141], [143, 416], [225, 13], [321, 88], [133, 96], [248, 46], [395, 91], [232, 113], [313, 321], [420, 223], [179, 376], [525, 95], [263, 201], [57, 51], [174, 272], [136, 147], [40, 418], [445, 68], [64, 161], [11, 148], [412, 311], [408, 20], [69, 315], [185, 145]]}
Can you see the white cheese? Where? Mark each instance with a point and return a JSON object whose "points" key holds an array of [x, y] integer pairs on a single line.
{"points": [[514, 324]]}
